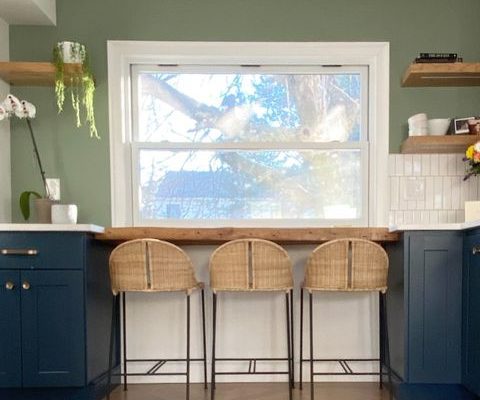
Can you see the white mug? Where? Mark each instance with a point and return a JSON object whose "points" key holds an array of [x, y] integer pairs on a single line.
{"points": [[64, 214]]}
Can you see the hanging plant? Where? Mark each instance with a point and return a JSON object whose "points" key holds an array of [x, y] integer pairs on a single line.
{"points": [[81, 85]]}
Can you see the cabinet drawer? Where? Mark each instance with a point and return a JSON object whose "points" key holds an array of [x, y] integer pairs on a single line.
{"points": [[41, 250]]}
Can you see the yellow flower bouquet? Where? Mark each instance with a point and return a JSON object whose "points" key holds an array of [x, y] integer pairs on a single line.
{"points": [[472, 157]]}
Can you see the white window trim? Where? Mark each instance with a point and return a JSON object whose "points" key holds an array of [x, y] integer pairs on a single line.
{"points": [[122, 54]]}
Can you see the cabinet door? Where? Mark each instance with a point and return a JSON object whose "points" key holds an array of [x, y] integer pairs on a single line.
{"points": [[53, 328], [10, 351], [435, 307], [471, 308]]}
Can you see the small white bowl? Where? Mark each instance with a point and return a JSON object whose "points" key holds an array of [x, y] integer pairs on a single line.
{"points": [[438, 126]]}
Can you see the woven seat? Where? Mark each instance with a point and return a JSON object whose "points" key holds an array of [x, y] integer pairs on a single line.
{"points": [[347, 265], [250, 265], [151, 265]]}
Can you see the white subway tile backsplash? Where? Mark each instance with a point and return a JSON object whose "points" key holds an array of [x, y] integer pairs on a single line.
{"points": [[425, 217], [417, 217], [460, 165], [437, 192], [391, 165], [408, 217], [429, 193], [451, 217], [456, 189], [429, 188], [394, 192], [443, 164], [443, 217], [434, 164], [425, 164], [408, 165], [417, 165], [399, 217], [399, 170], [447, 193], [452, 164]]}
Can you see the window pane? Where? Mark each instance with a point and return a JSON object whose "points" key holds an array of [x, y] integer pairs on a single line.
{"points": [[264, 184], [215, 108]]}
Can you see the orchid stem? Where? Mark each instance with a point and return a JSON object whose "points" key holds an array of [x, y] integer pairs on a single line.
{"points": [[35, 148]]}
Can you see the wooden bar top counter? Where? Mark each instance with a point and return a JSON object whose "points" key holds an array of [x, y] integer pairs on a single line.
{"points": [[222, 235]]}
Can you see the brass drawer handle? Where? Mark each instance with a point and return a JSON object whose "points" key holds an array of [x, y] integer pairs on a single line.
{"points": [[476, 250], [26, 285], [9, 285], [18, 252]]}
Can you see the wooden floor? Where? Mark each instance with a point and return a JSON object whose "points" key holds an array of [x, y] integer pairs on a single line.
{"points": [[253, 391]]}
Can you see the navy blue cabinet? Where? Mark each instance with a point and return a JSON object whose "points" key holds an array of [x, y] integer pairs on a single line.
{"points": [[425, 304], [471, 312], [55, 304], [10, 337]]}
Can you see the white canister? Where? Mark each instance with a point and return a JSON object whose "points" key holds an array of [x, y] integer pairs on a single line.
{"points": [[64, 214]]}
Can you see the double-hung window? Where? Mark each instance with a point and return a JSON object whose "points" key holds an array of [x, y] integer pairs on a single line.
{"points": [[213, 140]]}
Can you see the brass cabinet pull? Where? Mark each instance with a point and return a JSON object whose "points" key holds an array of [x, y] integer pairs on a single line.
{"points": [[18, 252], [9, 285], [26, 285], [476, 250]]}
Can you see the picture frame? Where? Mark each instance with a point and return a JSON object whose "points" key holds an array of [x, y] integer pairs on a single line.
{"points": [[460, 125]]}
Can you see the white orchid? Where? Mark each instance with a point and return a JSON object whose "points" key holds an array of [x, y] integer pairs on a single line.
{"points": [[11, 106]]}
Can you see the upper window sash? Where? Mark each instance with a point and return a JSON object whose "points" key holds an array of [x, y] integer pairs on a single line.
{"points": [[138, 70]]}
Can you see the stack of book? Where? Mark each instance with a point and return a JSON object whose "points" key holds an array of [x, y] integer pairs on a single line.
{"points": [[438, 58]]}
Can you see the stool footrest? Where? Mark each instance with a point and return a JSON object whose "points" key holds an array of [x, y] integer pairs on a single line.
{"points": [[347, 370], [252, 366], [159, 363]]}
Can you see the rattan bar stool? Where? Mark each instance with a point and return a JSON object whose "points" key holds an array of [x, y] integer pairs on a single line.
{"points": [[150, 265], [347, 265], [252, 265]]}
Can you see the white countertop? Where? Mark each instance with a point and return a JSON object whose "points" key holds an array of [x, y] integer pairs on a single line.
{"points": [[52, 228], [435, 227]]}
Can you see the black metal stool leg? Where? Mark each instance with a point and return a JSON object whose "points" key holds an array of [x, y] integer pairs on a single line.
{"points": [[301, 340], [124, 316], [380, 338], [312, 394], [292, 346], [204, 340], [188, 348], [214, 328], [387, 345], [112, 345], [289, 359]]}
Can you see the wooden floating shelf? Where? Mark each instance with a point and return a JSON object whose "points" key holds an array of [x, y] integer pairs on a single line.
{"points": [[438, 144], [442, 74], [222, 235], [34, 73]]}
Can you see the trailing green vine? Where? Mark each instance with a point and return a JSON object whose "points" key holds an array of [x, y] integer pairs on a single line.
{"points": [[59, 78], [80, 84]]}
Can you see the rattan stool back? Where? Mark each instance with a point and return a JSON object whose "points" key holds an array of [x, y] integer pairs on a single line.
{"points": [[151, 265], [250, 265], [347, 265]]}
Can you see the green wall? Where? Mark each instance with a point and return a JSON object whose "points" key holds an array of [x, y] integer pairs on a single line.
{"points": [[82, 163]]}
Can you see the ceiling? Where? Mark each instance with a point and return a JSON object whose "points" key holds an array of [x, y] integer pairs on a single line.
{"points": [[28, 12]]}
